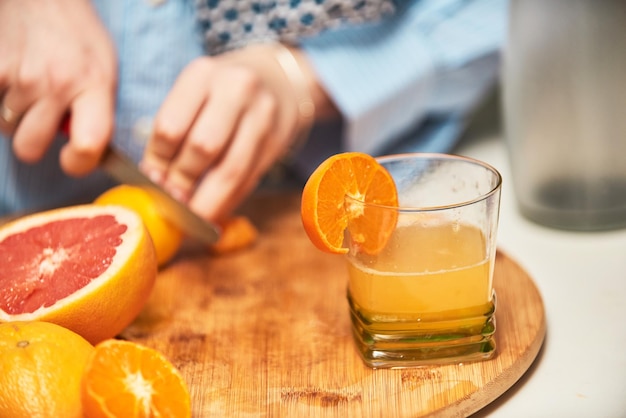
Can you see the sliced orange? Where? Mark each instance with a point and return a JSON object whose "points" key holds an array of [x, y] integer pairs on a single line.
{"points": [[88, 268], [126, 379], [167, 238], [237, 233], [330, 203], [41, 368]]}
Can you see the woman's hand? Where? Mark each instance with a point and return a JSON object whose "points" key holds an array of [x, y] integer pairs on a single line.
{"points": [[56, 58], [225, 122]]}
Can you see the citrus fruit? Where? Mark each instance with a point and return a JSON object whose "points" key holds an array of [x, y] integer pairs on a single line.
{"points": [[167, 238], [41, 368], [326, 210], [126, 379], [88, 268], [237, 233]]}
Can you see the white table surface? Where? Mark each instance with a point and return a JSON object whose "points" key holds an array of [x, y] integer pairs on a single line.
{"points": [[581, 370]]}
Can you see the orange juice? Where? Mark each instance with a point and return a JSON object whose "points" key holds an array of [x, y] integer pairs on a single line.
{"points": [[431, 284], [423, 295]]}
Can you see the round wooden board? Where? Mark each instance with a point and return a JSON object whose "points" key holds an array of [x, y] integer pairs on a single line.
{"points": [[266, 332]]}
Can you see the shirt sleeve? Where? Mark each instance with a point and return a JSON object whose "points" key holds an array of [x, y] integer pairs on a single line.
{"points": [[433, 57]]}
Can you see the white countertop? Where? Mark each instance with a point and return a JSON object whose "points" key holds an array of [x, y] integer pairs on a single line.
{"points": [[581, 370]]}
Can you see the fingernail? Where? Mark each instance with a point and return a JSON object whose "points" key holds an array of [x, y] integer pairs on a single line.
{"points": [[156, 176], [178, 194]]}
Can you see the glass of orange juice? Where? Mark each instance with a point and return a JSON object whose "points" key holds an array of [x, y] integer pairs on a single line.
{"points": [[426, 297]]}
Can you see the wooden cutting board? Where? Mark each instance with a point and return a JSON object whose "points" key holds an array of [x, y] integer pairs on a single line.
{"points": [[266, 332]]}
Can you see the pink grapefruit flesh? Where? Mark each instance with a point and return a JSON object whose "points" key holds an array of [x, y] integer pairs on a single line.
{"points": [[50, 262], [88, 268]]}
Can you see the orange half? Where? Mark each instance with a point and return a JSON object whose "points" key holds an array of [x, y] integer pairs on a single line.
{"points": [[126, 379], [326, 212]]}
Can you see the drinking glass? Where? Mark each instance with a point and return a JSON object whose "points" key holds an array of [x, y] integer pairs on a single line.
{"points": [[564, 96], [427, 296]]}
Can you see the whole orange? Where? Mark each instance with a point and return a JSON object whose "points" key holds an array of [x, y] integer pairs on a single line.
{"points": [[41, 369], [166, 237]]}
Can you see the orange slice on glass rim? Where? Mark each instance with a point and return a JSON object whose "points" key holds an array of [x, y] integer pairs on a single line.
{"points": [[349, 191]]}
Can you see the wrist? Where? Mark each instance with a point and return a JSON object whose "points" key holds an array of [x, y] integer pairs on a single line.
{"points": [[324, 106], [300, 82]]}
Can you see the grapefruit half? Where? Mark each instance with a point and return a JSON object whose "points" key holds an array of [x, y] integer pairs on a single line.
{"points": [[88, 268]]}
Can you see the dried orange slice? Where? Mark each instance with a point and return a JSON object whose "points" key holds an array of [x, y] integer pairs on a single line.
{"points": [[88, 268], [126, 379], [326, 213]]}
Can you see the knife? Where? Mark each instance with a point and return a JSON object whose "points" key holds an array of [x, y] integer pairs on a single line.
{"points": [[124, 170]]}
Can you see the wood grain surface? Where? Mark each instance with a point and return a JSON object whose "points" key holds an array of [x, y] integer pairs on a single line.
{"points": [[266, 333]]}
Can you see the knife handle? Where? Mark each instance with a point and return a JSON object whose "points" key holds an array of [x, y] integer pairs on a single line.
{"points": [[64, 128]]}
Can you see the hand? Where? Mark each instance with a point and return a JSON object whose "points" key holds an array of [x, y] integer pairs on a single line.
{"points": [[56, 58], [225, 122]]}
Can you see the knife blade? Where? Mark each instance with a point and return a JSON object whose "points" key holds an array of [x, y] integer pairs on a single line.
{"points": [[124, 170]]}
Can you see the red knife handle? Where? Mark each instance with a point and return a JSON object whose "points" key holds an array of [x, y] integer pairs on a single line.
{"points": [[64, 128]]}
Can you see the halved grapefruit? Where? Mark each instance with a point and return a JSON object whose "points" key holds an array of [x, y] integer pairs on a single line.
{"points": [[88, 268]]}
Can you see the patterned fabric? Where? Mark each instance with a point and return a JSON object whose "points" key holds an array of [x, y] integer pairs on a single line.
{"points": [[230, 24]]}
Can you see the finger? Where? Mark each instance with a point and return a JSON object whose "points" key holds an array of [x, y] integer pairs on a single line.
{"points": [[90, 131], [24, 87], [208, 139], [174, 120], [5, 71], [37, 130], [241, 167], [13, 106], [9, 119]]}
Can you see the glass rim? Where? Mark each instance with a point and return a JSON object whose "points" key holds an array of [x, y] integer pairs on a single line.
{"points": [[437, 156]]}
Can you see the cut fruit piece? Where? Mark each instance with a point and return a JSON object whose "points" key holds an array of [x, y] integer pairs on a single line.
{"points": [[167, 238], [330, 203], [126, 379], [88, 268], [237, 233], [41, 369]]}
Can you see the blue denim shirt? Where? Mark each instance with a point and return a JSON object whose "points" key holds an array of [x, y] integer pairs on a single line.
{"points": [[402, 84]]}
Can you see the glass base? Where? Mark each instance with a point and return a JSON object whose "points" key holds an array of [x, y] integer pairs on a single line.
{"points": [[577, 204], [402, 343]]}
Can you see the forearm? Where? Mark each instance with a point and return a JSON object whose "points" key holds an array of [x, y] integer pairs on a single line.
{"points": [[385, 78]]}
